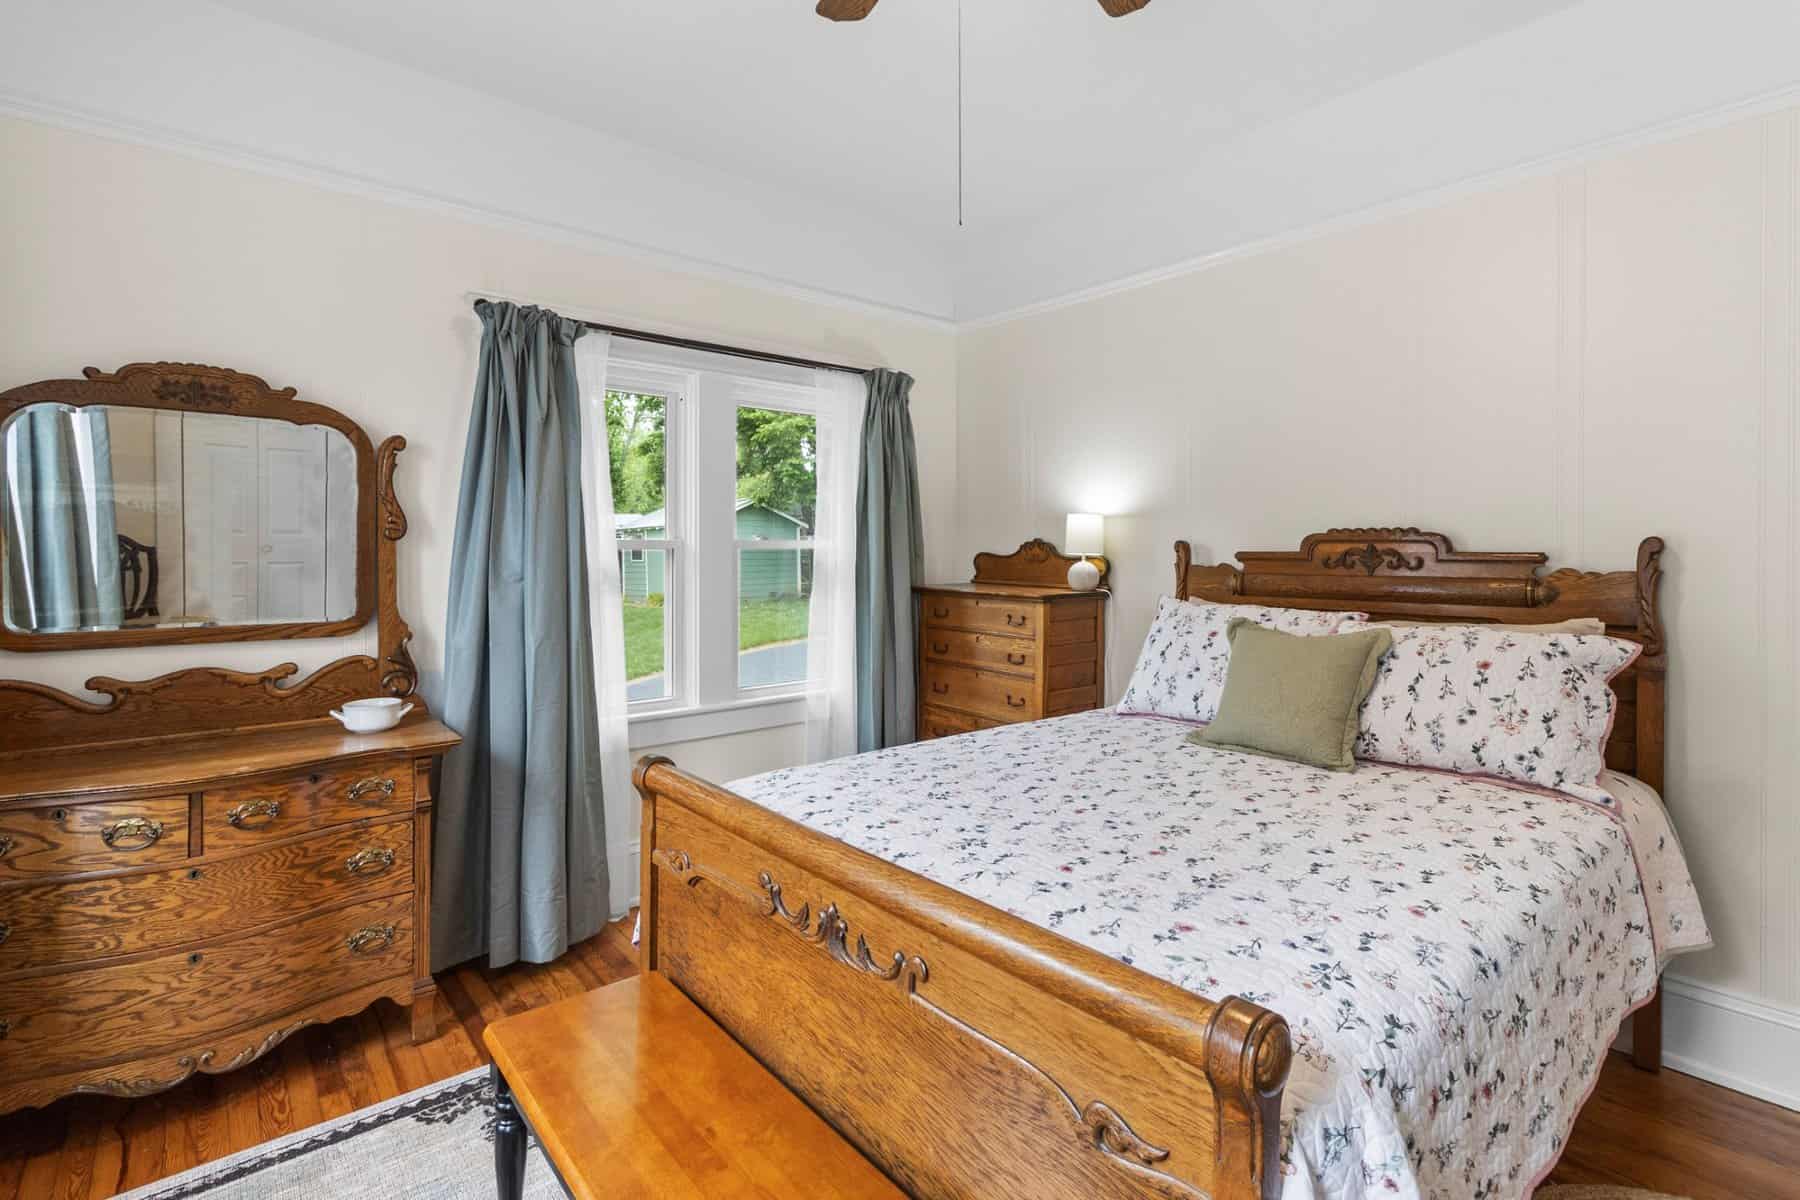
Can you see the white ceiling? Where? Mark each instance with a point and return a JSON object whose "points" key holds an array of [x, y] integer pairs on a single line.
{"points": [[753, 139], [1060, 101]]}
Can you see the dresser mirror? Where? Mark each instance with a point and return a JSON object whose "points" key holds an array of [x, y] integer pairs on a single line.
{"points": [[172, 503]]}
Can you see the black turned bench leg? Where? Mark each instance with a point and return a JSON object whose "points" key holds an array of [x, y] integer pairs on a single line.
{"points": [[509, 1141]]}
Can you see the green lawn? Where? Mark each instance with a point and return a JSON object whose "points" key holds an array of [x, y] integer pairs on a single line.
{"points": [[760, 623]]}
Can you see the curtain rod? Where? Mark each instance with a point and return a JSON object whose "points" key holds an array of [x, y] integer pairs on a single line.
{"points": [[666, 339], [669, 339]]}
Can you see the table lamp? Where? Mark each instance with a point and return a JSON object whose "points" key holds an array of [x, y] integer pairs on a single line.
{"points": [[1084, 534]]}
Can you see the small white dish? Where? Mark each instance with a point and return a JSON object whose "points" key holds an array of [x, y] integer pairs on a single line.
{"points": [[372, 715]]}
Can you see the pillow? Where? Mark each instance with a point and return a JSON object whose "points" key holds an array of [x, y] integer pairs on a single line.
{"points": [[1295, 697], [1587, 625], [1181, 669], [1465, 698]]}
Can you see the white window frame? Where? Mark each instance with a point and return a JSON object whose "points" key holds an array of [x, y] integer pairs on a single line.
{"points": [[675, 387], [761, 394], [701, 609]]}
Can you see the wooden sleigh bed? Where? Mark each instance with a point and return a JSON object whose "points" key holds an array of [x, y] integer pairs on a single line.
{"points": [[969, 1053]]}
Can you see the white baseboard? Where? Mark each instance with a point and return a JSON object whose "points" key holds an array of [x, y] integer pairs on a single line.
{"points": [[1747, 1045]]}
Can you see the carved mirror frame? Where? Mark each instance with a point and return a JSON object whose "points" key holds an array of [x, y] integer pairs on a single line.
{"points": [[190, 387]]}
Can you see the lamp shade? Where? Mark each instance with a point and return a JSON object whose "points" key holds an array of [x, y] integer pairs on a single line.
{"points": [[1085, 534]]}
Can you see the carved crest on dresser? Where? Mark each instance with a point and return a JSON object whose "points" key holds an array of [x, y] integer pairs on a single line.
{"points": [[198, 863]]}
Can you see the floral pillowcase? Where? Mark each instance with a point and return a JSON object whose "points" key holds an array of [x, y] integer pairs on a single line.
{"points": [[1181, 669], [1524, 707]]}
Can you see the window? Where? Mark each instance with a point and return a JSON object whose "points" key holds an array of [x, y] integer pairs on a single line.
{"points": [[714, 475], [777, 494], [637, 431]]}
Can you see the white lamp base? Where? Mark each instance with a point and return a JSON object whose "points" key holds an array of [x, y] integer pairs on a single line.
{"points": [[1084, 576]]}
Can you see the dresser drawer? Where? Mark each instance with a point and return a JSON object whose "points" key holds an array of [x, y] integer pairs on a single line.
{"points": [[1014, 655], [1001, 696], [980, 612], [943, 722], [81, 1019], [67, 839], [64, 924], [251, 813]]}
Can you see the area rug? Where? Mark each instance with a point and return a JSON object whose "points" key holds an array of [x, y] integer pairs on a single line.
{"points": [[438, 1144], [433, 1144]]}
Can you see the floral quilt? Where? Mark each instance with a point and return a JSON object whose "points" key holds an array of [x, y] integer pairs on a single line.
{"points": [[1453, 956]]}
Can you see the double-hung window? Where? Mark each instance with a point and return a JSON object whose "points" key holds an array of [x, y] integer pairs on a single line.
{"points": [[714, 472]]}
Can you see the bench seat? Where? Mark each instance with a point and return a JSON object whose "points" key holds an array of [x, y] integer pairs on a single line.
{"points": [[633, 1090]]}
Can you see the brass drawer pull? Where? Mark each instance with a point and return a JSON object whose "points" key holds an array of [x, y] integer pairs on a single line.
{"points": [[942, 689], [1017, 660], [939, 612], [370, 938], [249, 810], [375, 786], [6, 844], [373, 859], [5, 1028], [1012, 703], [132, 827], [940, 647], [1022, 621], [5, 932]]}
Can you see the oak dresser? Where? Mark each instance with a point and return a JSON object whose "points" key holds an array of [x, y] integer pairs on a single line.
{"points": [[205, 862], [1013, 644]]}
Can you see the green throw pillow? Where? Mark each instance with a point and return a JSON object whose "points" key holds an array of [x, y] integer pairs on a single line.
{"points": [[1294, 697]]}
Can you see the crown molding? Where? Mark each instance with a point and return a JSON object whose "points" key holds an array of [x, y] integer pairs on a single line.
{"points": [[161, 138]]}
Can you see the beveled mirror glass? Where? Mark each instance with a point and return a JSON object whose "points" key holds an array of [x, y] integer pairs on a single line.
{"points": [[129, 518], [171, 503]]}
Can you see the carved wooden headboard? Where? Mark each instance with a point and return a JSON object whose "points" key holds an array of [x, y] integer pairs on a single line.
{"points": [[1414, 575]]}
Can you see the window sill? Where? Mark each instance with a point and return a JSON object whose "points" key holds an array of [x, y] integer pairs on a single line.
{"points": [[716, 720]]}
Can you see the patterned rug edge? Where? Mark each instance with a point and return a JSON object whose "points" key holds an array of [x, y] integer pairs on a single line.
{"points": [[195, 1181]]}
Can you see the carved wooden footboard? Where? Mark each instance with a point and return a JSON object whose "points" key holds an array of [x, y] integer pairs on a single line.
{"points": [[967, 1052]]}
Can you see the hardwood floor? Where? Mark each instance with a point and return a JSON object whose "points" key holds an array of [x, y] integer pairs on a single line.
{"points": [[1666, 1132]]}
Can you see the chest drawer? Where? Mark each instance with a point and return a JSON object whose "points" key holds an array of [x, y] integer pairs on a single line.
{"points": [[60, 924], [251, 813], [1015, 655], [944, 722], [68, 839], [1018, 618], [113, 1014], [980, 692]]}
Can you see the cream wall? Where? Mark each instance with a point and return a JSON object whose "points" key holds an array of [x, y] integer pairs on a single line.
{"points": [[1568, 363], [115, 252]]}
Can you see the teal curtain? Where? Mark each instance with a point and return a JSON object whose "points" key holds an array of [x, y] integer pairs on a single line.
{"points": [[519, 858], [62, 563], [890, 553]]}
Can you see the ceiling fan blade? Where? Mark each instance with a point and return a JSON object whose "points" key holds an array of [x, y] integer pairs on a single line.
{"points": [[1118, 8], [849, 10]]}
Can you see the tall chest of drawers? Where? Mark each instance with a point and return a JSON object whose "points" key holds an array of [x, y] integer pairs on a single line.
{"points": [[1013, 644], [185, 906]]}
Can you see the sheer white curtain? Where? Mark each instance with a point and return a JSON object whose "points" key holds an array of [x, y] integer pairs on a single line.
{"points": [[831, 618], [607, 618]]}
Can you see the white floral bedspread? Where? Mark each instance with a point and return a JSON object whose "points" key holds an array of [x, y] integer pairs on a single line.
{"points": [[1453, 956]]}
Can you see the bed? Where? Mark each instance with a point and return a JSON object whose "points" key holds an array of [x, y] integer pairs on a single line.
{"points": [[1083, 958]]}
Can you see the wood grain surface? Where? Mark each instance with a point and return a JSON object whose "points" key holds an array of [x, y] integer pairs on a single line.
{"points": [[47, 925], [638, 1095], [1667, 1133], [136, 1007], [253, 814]]}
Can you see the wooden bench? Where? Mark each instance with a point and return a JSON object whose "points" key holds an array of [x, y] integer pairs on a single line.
{"points": [[632, 1090]]}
